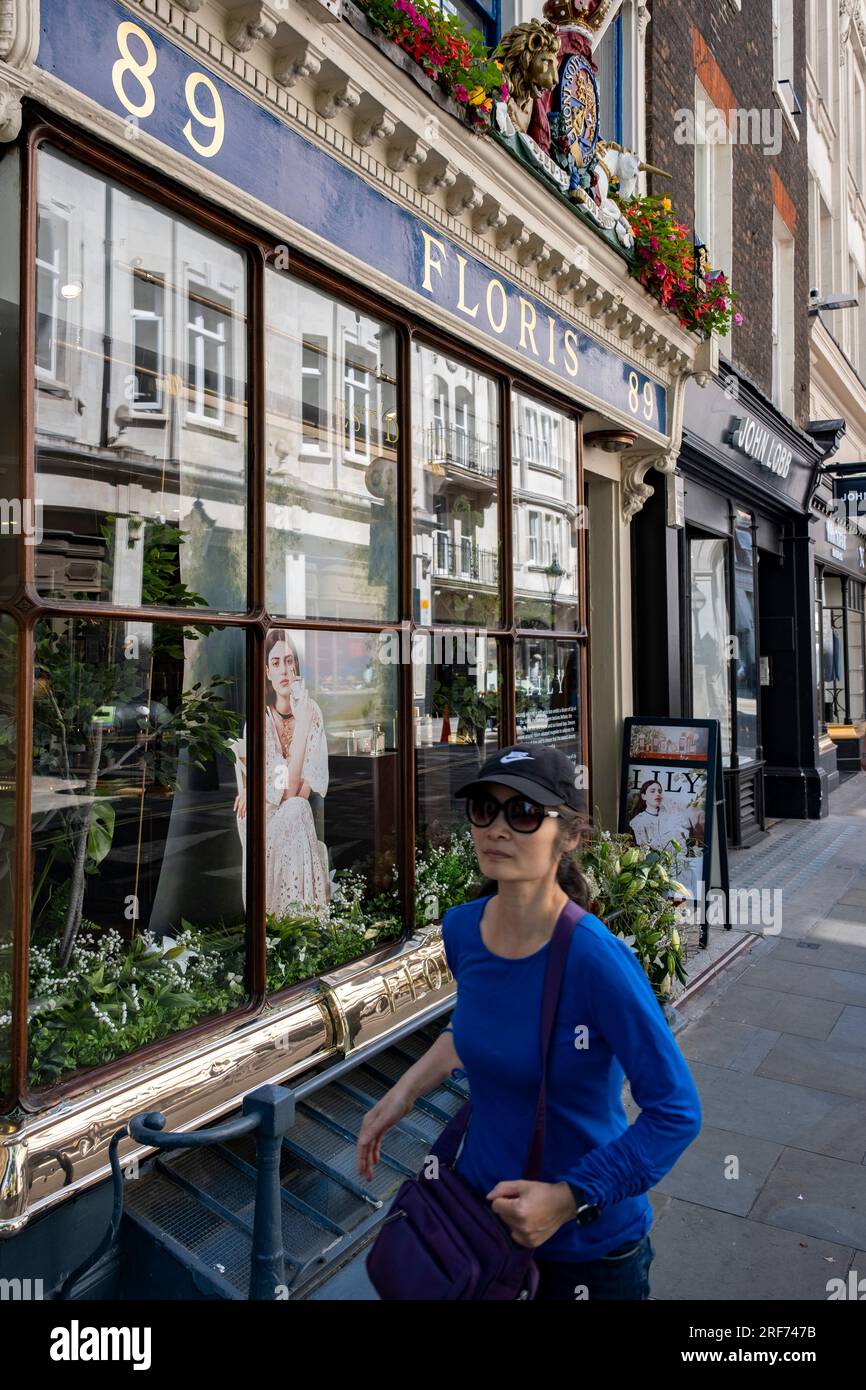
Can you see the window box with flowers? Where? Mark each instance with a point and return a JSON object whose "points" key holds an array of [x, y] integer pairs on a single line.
{"points": [[457, 61], [664, 263]]}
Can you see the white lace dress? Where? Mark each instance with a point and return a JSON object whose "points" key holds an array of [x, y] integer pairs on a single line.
{"points": [[297, 861]]}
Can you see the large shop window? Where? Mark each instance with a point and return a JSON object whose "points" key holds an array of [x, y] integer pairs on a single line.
{"points": [[277, 623]]}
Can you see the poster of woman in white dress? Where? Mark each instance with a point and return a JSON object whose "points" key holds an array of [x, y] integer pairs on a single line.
{"points": [[296, 770], [670, 808]]}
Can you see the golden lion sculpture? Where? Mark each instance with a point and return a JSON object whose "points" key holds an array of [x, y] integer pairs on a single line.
{"points": [[529, 54]]}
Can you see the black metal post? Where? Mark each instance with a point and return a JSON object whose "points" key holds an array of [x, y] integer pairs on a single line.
{"points": [[275, 1107]]}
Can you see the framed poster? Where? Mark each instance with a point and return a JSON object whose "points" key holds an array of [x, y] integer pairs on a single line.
{"points": [[672, 789]]}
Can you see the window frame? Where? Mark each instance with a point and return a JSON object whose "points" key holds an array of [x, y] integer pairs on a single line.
{"points": [[259, 251]]}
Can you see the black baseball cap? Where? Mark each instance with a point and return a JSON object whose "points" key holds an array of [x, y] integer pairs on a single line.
{"points": [[535, 770]]}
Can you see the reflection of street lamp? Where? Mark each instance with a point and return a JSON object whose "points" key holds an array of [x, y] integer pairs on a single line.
{"points": [[553, 575]]}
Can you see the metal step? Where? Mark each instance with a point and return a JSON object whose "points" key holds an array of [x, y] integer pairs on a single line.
{"points": [[195, 1208]]}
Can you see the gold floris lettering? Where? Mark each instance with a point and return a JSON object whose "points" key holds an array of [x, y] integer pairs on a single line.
{"points": [[492, 285], [461, 299], [570, 342], [551, 327], [430, 263], [528, 319]]}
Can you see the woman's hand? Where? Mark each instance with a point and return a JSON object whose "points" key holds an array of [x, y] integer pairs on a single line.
{"points": [[384, 1115], [533, 1211], [241, 805]]}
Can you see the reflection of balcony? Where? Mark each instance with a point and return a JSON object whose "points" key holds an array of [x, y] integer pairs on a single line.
{"points": [[449, 447], [463, 560]]}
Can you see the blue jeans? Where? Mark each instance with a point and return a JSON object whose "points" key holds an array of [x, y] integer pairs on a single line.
{"points": [[622, 1273]]}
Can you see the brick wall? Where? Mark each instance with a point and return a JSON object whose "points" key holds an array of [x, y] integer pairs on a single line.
{"points": [[732, 55]]}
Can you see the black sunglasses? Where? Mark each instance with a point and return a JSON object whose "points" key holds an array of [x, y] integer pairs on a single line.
{"points": [[521, 814]]}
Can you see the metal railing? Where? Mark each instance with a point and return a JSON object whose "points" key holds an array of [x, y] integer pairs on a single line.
{"points": [[269, 1113], [462, 559], [447, 444]]}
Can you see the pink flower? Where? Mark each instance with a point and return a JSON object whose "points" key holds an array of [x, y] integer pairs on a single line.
{"points": [[738, 318], [654, 243], [460, 93]]}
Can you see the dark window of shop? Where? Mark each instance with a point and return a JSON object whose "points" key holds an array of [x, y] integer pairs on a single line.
{"points": [[723, 646], [839, 619], [723, 662], [302, 567]]}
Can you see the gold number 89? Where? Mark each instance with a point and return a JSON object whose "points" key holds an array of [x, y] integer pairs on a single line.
{"points": [[216, 122]]}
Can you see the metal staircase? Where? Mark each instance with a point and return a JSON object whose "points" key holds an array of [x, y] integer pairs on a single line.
{"points": [[187, 1229]]}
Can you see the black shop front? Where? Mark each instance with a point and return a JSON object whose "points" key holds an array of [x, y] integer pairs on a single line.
{"points": [[724, 601]]}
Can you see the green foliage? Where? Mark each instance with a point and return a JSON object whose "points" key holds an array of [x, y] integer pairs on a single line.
{"points": [[465, 702], [116, 995], [633, 891]]}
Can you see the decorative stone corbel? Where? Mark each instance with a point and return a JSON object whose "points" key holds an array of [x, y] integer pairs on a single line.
{"points": [[596, 300], [626, 324], [254, 22], [10, 111], [465, 196], [643, 18], [191, 6], [529, 250], [342, 95], [19, 32], [634, 469], [549, 264], [706, 359], [436, 173], [300, 61], [490, 217], [406, 149], [376, 125], [573, 278], [513, 235]]}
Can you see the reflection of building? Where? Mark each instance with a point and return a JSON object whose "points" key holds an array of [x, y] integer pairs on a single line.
{"points": [[141, 414]]}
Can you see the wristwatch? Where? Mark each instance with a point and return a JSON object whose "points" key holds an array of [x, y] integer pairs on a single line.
{"points": [[586, 1210]]}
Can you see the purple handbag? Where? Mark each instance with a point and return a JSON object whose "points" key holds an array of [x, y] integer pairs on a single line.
{"points": [[441, 1241]]}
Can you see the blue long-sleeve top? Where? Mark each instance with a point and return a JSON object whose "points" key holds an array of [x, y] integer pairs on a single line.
{"points": [[609, 1025]]}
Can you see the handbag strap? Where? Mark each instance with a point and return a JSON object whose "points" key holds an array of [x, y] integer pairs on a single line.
{"points": [[568, 919]]}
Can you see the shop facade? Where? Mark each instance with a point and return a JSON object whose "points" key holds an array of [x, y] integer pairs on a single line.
{"points": [[726, 630], [840, 616], [301, 433]]}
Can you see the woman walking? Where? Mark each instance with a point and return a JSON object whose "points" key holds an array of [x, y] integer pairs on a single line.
{"points": [[590, 1217]]}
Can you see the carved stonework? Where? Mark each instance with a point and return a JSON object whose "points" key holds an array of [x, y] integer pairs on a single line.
{"points": [[490, 217], [342, 97], [19, 31], [296, 63], [634, 469], [245, 30], [436, 175], [191, 6], [463, 197], [10, 112], [404, 150], [380, 125]]}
